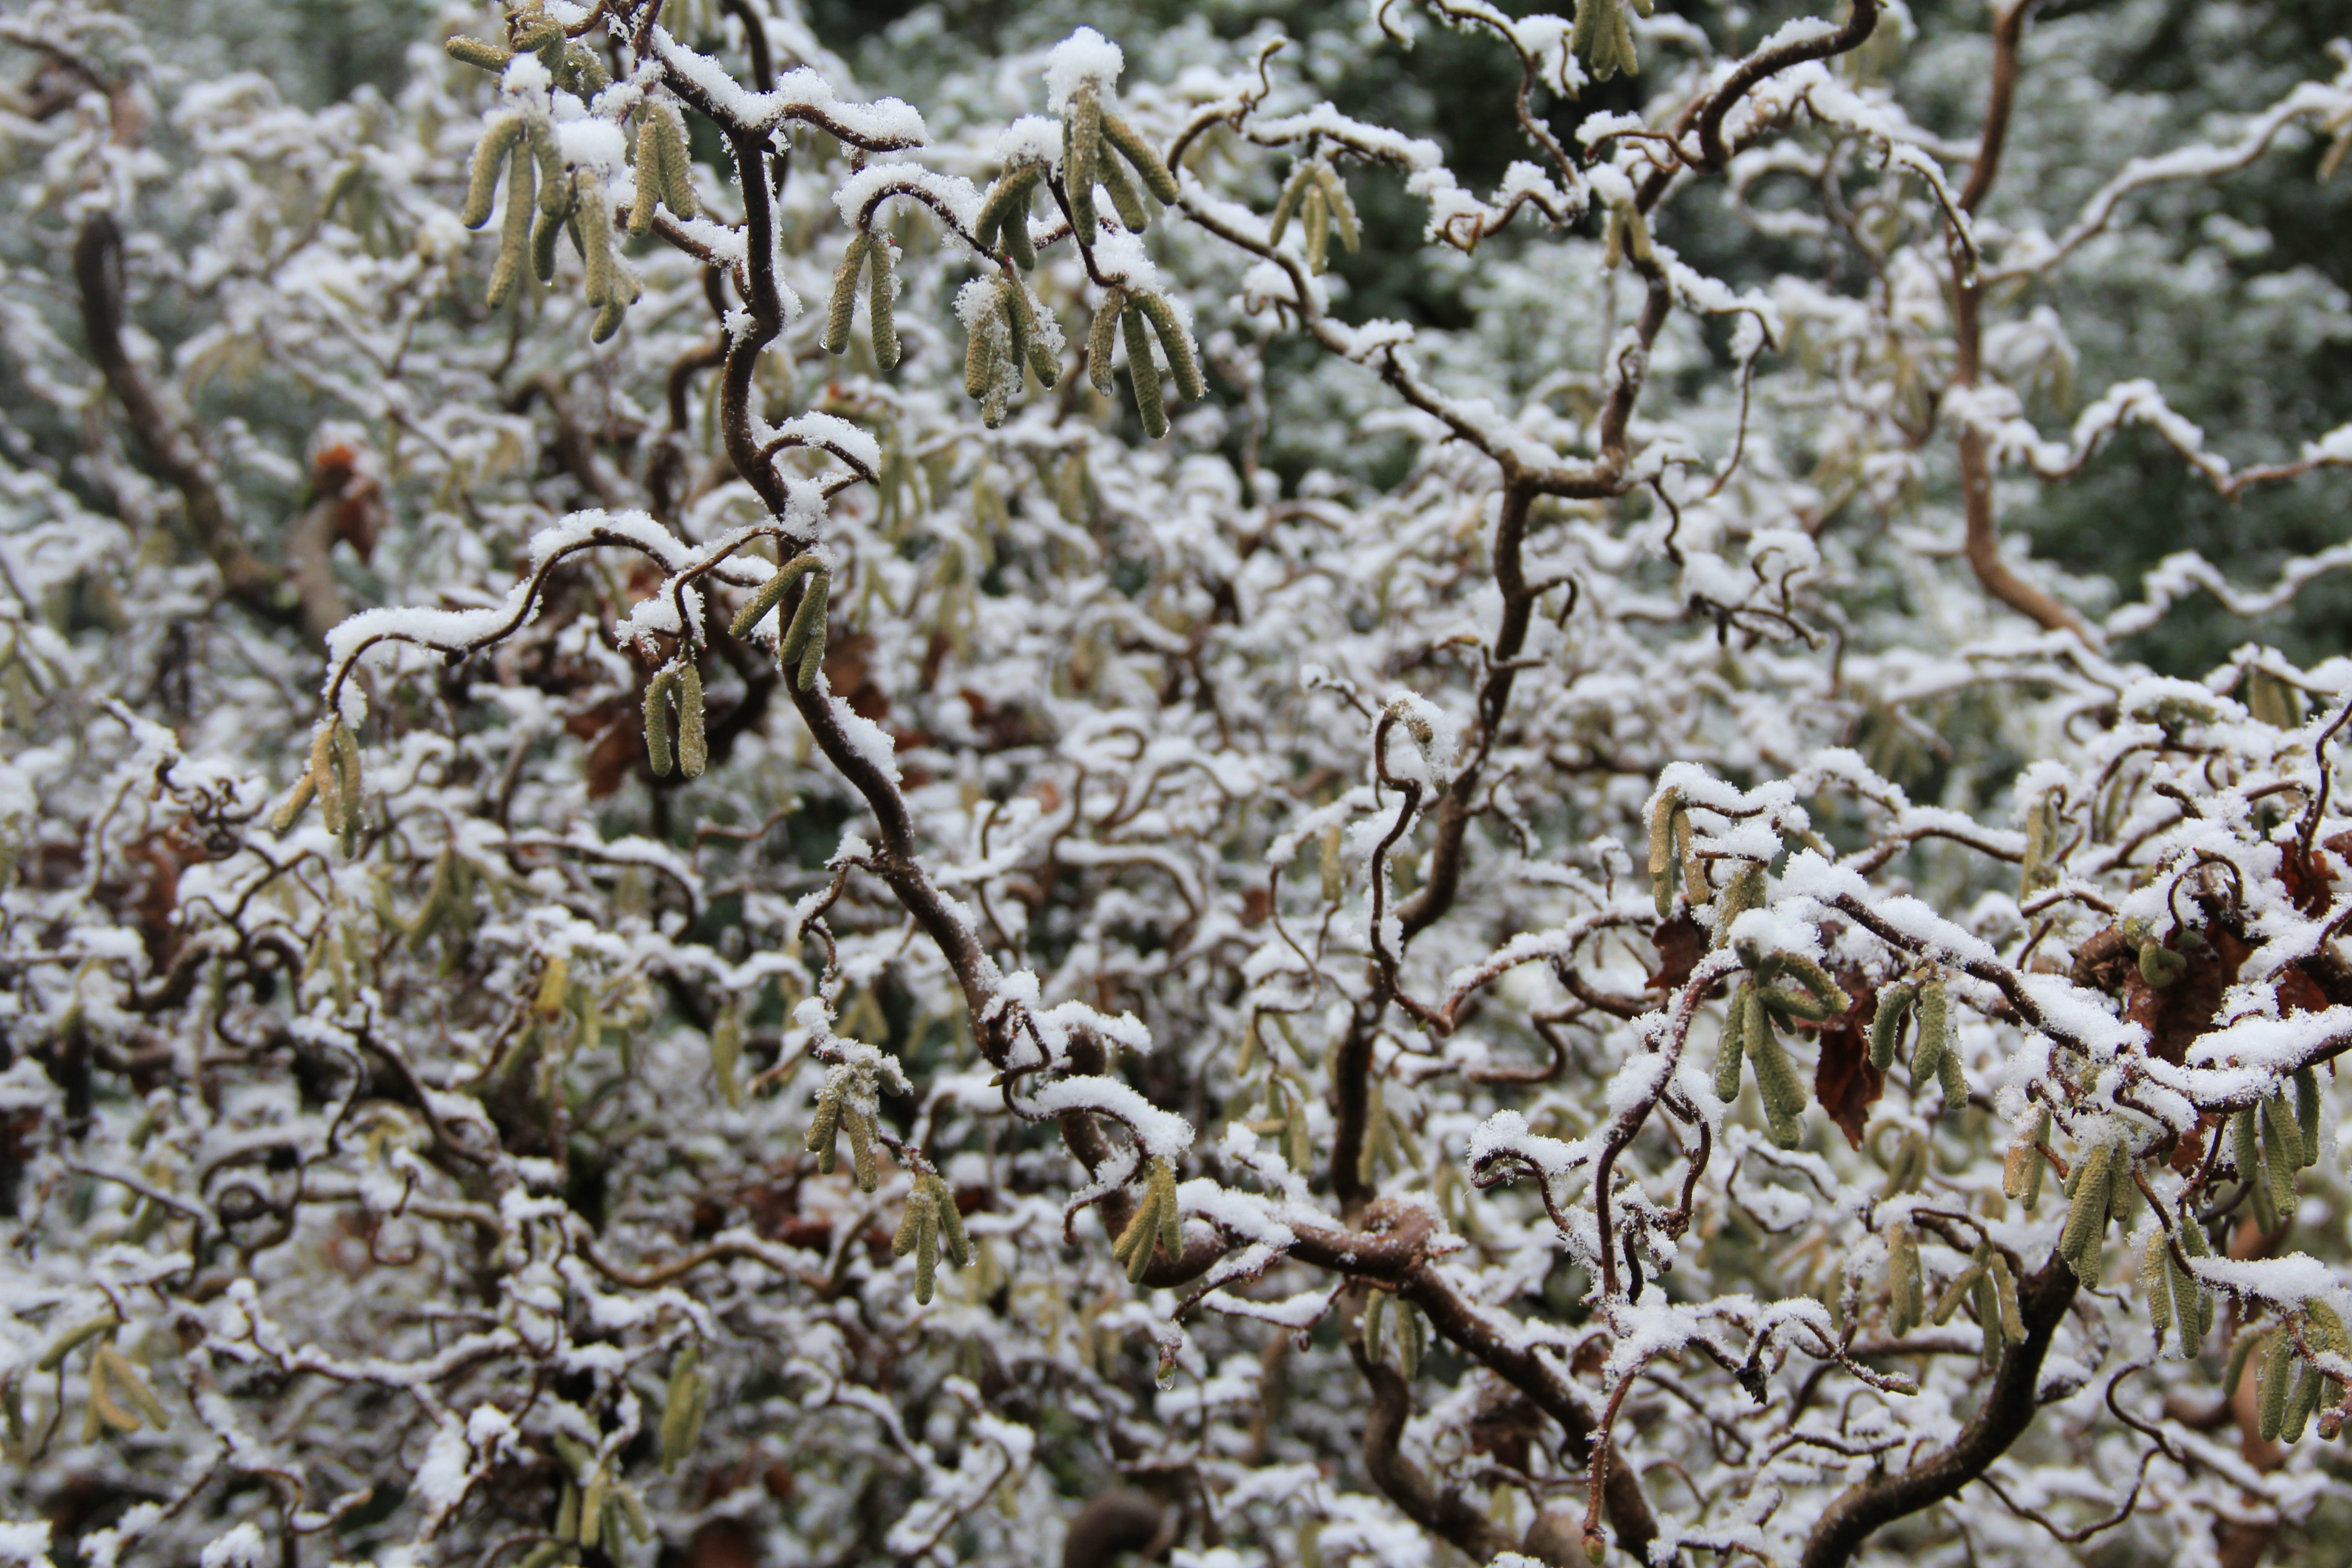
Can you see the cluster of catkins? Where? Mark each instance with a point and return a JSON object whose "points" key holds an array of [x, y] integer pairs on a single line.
{"points": [[545, 200]]}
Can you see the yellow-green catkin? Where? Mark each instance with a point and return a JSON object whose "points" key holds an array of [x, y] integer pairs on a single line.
{"points": [[1102, 338], [1302, 175], [1664, 809], [1081, 152], [683, 1405], [1342, 208], [1775, 1079], [478, 54], [1887, 1023], [1904, 1284], [824, 1127], [2282, 1137], [857, 1120], [1143, 373], [2269, 1394], [514, 232], [489, 159], [2307, 1113], [1176, 344], [693, 745], [1732, 1048], [952, 1235], [2022, 1174], [918, 1233], [764, 597], [2004, 1282], [1123, 139], [2155, 1282], [843, 307], [804, 640], [1125, 199], [881, 310], [298, 800], [657, 746], [2086, 1220], [1006, 208]]}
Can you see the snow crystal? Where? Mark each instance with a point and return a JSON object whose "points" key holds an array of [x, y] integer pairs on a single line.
{"points": [[242, 1547], [1085, 56]]}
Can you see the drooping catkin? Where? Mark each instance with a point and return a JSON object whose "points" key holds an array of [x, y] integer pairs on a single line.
{"points": [[2123, 1191], [764, 597], [548, 227], [1143, 373], [649, 172], [2307, 1112], [2155, 1282], [1164, 1198], [1176, 344], [1730, 1049], [1028, 344], [2283, 1134], [1986, 1298], [514, 231], [298, 800], [1302, 175], [2004, 1284], [1006, 205], [824, 1127], [1663, 808], [881, 295], [979, 353], [857, 1120], [489, 158], [1101, 339], [693, 745], [843, 308], [1157, 177], [2301, 1400], [1887, 1023], [2246, 1144], [1934, 1033], [952, 1235], [1775, 1079], [678, 163], [1903, 1280], [2270, 1395], [1315, 212], [1960, 1288], [2281, 1159], [554, 179], [1081, 151], [918, 1233], [1411, 1341], [1342, 207], [1375, 1311], [2022, 1174], [657, 751], [1125, 199], [2086, 1220], [804, 640]]}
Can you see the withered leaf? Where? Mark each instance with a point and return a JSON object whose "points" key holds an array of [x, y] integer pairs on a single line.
{"points": [[2175, 1015], [1681, 943], [1843, 1080]]}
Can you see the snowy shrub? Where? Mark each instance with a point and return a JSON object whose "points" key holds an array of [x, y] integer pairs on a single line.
{"points": [[1502, 942]]}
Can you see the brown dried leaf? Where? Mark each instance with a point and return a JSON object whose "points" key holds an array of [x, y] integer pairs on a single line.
{"points": [[1681, 943], [1843, 1080], [2175, 1015]]}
